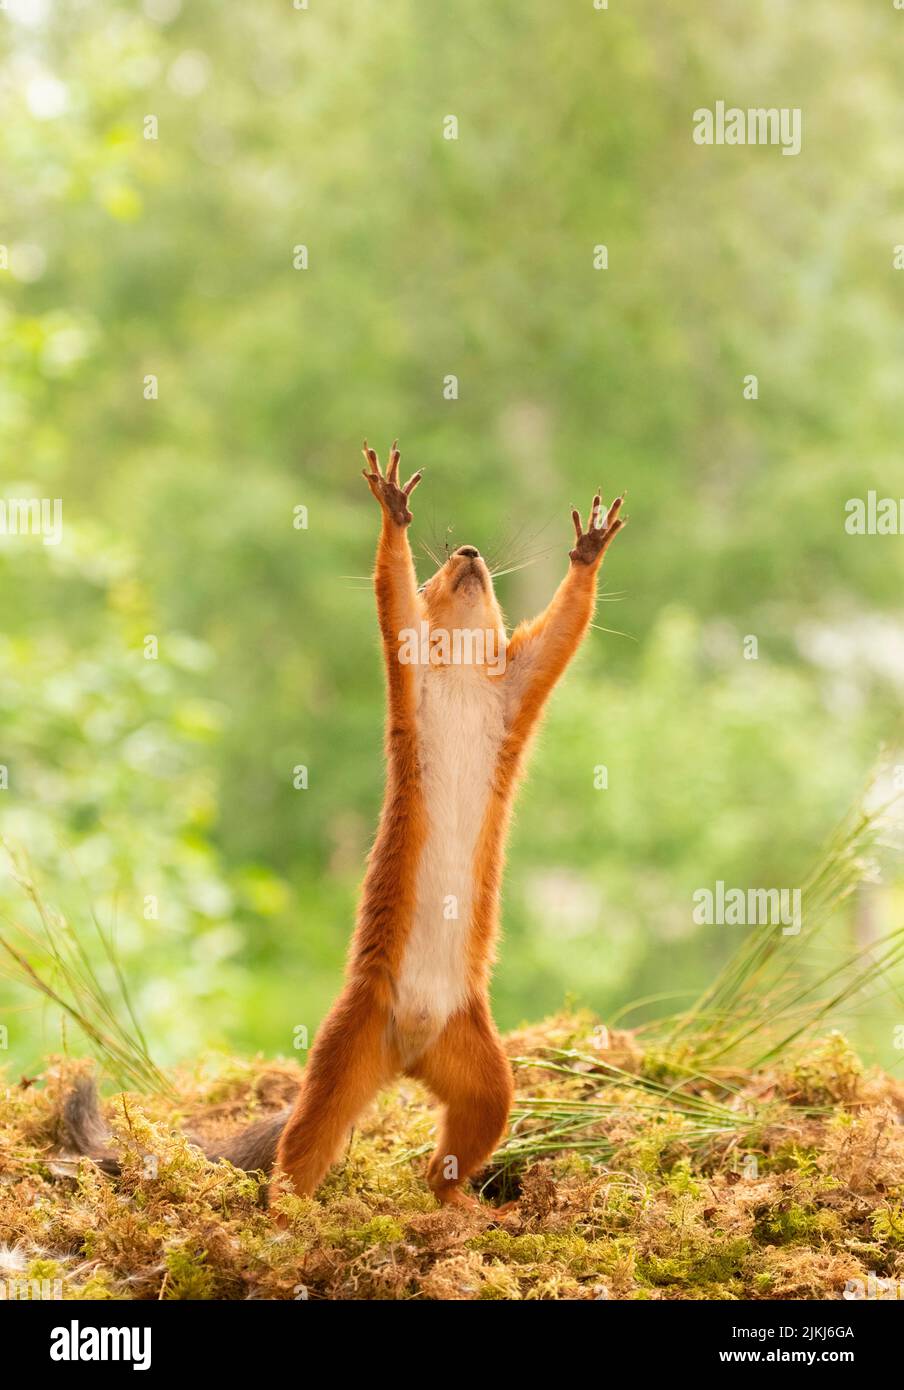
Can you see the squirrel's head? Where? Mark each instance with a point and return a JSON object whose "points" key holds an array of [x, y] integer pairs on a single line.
{"points": [[460, 594]]}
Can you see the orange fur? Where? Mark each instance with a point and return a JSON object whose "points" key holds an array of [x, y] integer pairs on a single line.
{"points": [[370, 1035]]}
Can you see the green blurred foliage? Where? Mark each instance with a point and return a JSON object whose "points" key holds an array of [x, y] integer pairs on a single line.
{"points": [[172, 779]]}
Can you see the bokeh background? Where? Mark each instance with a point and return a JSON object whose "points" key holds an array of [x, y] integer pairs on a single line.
{"points": [[172, 779]]}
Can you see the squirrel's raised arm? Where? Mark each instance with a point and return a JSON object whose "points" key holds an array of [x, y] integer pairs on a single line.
{"points": [[395, 581], [541, 647]]}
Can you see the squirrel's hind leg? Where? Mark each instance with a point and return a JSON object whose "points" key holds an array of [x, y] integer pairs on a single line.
{"points": [[468, 1071], [351, 1059]]}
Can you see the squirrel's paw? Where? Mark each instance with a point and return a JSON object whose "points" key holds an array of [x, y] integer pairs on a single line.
{"points": [[591, 545], [391, 497]]}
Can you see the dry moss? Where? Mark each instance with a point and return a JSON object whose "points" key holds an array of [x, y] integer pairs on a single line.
{"points": [[796, 1207]]}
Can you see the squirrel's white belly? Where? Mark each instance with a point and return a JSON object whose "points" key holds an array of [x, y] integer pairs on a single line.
{"points": [[460, 730]]}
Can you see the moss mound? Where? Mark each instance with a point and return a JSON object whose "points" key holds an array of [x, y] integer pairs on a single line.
{"points": [[807, 1195]]}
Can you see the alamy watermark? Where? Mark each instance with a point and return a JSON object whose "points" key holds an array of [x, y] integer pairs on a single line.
{"points": [[32, 516], [462, 646], [873, 515], [77, 1343], [751, 907], [757, 125], [874, 1288], [25, 1290]]}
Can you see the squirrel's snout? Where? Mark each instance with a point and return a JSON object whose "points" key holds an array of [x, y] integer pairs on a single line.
{"points": [[470, 551]]}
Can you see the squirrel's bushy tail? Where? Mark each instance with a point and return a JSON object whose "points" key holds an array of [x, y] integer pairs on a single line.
{"points": [[85, 1131]]}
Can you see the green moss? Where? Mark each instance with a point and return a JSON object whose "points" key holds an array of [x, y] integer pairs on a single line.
{"points": [[188, 1275], [666, 1216], [721, 1261], [580, 1257], [532, 1249], [667, 1066], [97, 1289], [380, 1230], [888, 1224], [682, 1181], [790, 1222], [657, 1147], [792, 1157], [498, 1283], [830, 1073]]}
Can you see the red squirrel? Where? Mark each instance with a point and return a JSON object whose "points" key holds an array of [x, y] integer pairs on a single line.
{"points": [[415, 999], [463, 702]]}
